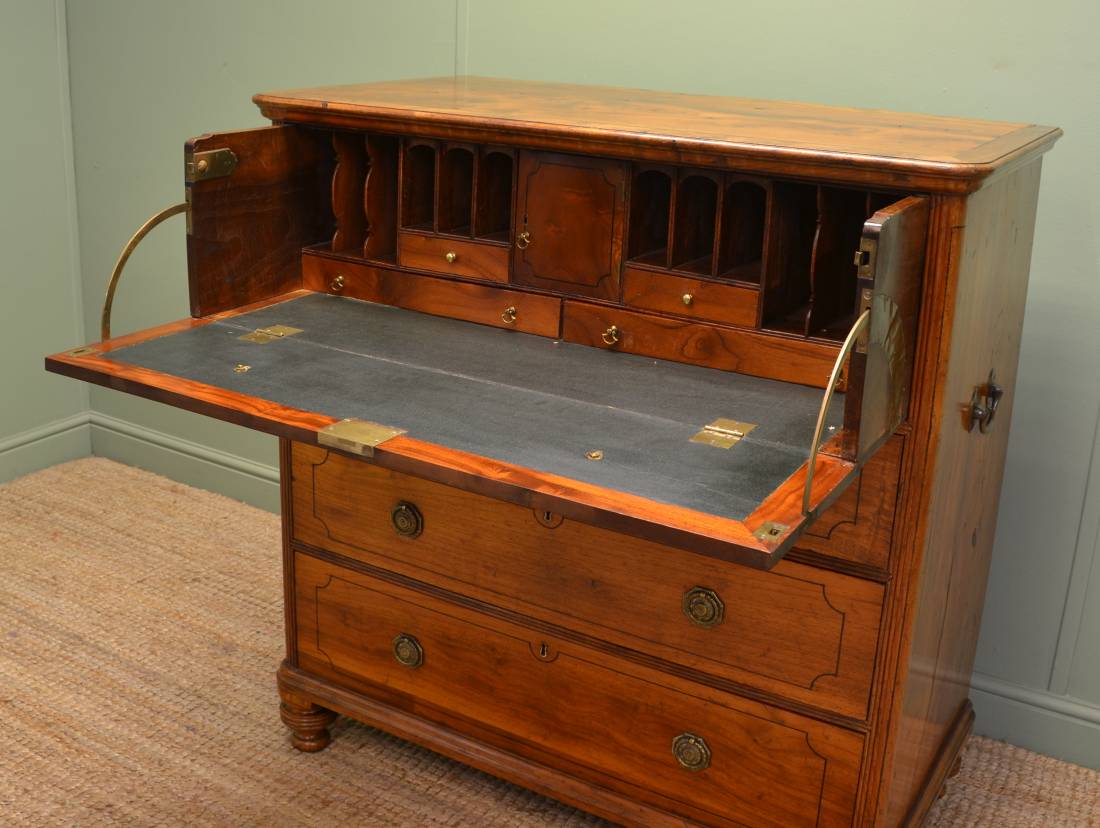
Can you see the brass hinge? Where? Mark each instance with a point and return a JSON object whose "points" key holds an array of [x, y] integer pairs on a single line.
{"points": [[723, 433], [216, 163], [865, 258], [356, 436], [261, 336]]}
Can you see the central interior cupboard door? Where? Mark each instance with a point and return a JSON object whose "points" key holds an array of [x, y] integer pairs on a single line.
{"points": [[569, 224]]}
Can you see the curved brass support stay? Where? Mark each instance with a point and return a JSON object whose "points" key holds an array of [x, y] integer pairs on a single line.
{"points": [[830, 389], [124, 256]]}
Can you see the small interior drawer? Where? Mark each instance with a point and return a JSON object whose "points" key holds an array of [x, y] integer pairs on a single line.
{"points": [[477, 260], [798, 632], [485, 304], [713, 757], [696, 298]]}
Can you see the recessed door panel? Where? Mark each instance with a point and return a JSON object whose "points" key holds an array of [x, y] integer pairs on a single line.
{"points": [[570, 224]]}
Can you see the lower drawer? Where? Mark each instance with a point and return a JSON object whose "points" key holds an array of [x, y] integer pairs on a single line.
{"points": [[798, 632], [710, 756]]}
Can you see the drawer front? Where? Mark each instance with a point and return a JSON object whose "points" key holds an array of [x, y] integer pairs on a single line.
{"points": [[799, 632], [756, 353], [485, 304], [696, 298], [476, 260], [710, 756]]}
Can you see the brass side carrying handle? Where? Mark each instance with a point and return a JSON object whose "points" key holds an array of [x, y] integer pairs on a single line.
{"points": [[124, 256], [830, 389], [983, 405]]}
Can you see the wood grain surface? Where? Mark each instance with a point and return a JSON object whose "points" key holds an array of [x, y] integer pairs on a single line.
{"points": [[767, 768], [796, 632], [802, 139]]}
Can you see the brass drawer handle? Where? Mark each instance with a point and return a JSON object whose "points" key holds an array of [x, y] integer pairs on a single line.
{"points": [[337, 284], [407, 520], [450, 256], [407, 651], [509, 315], [691, 752], [612, 335], [703, 607], [523, 239], [687, 299]]}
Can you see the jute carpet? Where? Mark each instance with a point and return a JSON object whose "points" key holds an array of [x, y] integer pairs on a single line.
{"points": [[140, 624]]}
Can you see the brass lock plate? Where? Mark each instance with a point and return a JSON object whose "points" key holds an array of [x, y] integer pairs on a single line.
{"points": [[261, 336], [723, 433]]}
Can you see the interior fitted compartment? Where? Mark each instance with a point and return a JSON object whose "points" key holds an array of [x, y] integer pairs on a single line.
{"points": [[418, 186], [329, 191]]}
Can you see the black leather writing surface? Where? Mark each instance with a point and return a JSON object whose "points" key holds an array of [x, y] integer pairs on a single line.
{"points": [[514, 397]]}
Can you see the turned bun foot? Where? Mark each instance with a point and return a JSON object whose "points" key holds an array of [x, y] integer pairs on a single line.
{"points": [[308, 725]]}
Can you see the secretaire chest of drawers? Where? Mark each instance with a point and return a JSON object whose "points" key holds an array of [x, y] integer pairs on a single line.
{"points": [[642, 449]]}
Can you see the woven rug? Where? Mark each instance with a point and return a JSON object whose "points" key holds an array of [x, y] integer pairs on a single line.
{"points": [[140, 625]]}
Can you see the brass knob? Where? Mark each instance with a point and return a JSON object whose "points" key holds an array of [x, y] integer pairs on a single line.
{"points": [[203, 165], [407, 651], [687, 298], [407, 520], [337, 284], [691, 752], [611, 335], [703, 607], [509, 315], [523, 239], [450, 256]]}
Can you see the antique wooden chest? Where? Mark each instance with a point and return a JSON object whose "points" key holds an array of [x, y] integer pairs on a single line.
{"points": [[642, 449]]}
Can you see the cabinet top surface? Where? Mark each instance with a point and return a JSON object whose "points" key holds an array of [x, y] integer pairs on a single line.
{"points": [[589, 118]]}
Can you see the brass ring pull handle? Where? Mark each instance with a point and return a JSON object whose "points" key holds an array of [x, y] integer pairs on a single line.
{"points": [[523, 239], [123, 257], [691, 751], [509, 315], [450, 256], [407, 651], [983, 405], [407, 520], [703, 607], [612, 335], [337, 283], [830, 389]]}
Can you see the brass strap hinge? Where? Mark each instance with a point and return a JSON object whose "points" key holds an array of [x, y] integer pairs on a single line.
{"points": [[215, 163], [356, 436], [723, 433], [865, 261]]}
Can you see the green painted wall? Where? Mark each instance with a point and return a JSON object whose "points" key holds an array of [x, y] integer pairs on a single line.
{"points": [[146, 75], [42, 419]]}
